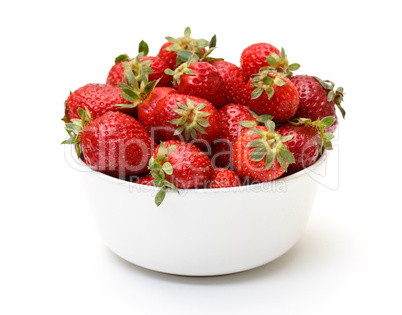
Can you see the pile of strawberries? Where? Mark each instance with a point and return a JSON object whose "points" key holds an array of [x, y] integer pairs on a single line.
{"points": [[183, 119]]}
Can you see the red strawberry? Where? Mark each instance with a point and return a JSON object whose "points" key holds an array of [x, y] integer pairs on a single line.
{"points": [[153, 66], [231, 115], [168, 56], [169, 50], [254, 57], [114, 143], [158, 67], [318, 99], [179, 164], [201, 79], [224, 178], [141, 94], [145, 109], [234, 79], [116, 73], [261, 154], [98, 98], [272, 93], [308, 140], [147, 180], [186, 118]]}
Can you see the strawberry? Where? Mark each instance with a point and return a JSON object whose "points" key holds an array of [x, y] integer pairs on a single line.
{"points": [[198, 77], [262, 56], [318, 99], [158, 67], [114, 143], [254, 57], [140, 94], [308, 140], [261, 154], [201, 79], [168, 56], [274, 94], [153, 66], [234, 79], [145, 109], [223, 178], [116, 72], [168, 51], [231, 115], [176, 164], [98, 98], [186, 118], [147, 180]]}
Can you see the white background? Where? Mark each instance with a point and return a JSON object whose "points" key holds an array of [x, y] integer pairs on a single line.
{"points": [[52, 259]]}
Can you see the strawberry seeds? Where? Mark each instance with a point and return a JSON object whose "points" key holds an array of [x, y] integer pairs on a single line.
{"points": [[182, 119]]}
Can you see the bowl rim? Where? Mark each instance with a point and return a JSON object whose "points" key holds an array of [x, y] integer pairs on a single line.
{"points": [[321, 160]]}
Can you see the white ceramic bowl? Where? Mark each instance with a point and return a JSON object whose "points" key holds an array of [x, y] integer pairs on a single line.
{"points": [[202, 232]]}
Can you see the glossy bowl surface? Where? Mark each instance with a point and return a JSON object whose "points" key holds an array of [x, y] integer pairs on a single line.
{"points": [[202, 232]]}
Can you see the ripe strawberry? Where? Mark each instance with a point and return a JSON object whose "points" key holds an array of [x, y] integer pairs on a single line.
{"points": [[145, 109], [223, 178], [200, 79], [188, 119], [158, 67], [153, 66], [179, 164], [169, 50], [147, 180], [231, 115], [234, 79], [262, 56], [98, 98], [114, 143], [254, 57], [274, 94], [141, 94], [261, 154], [308, 140], [116, 72], [318, 99]]}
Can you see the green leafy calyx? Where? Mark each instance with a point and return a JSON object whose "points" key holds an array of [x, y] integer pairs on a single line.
{"points": [[121, 58], [281, 63], [160, 167], [137, 86], [270, 146], [192, 119], [186, 57], [272, 76], [139, 69], [184, 67], [266, 81], [187, 43], [319, 126], [76, 127], [259, 119], [143, 48], [333, 96]]}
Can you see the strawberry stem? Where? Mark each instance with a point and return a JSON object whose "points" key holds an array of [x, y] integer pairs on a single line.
{"points": [[281, 63], [138, 86], [265, 80], [192, 119], [186, 43], [76, 127], [319, 126], [270, 145], [160, 167], [335, 96]]}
